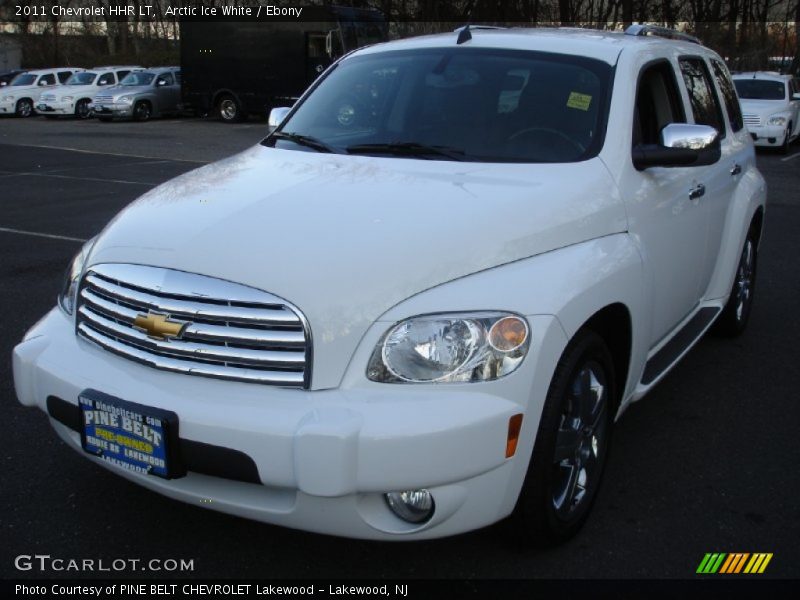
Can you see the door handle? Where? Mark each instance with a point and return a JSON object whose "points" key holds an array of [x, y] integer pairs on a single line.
{"points": [[736, 169], [697, 191]]}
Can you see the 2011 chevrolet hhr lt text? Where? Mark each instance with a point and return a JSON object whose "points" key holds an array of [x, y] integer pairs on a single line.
{"points": [[420, 304]]}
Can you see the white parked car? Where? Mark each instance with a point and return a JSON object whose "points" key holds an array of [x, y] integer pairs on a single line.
{"points": [[771, 106], [21, 95], [75, 96], [421, 303]]}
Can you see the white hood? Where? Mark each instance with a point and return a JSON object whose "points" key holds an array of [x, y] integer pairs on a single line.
{"points": [[345, 238], [764, 108]]}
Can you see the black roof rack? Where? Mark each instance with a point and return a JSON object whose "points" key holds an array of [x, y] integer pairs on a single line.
{"points": [[664, 32]]}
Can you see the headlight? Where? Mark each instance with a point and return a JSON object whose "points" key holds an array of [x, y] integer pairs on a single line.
{"points": [[125, 99], [450, 348], [66, 299], [8, 98], [777, 121], [66, 98]]}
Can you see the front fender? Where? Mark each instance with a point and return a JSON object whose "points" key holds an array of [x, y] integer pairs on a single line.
{"points": [[571, 284]]}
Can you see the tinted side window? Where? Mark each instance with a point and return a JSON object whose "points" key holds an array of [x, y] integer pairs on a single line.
{"points": [[48, 79], [63, 76], [705, 104], [657, 103], [106, 79], [121, 74], [728, 95], [166, 77]]}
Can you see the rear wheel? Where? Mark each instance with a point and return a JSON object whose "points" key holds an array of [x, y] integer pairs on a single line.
{"points": [[733, 319], [229, 109], [571, 445], [24, 108], [82, 109], [142, 111]]}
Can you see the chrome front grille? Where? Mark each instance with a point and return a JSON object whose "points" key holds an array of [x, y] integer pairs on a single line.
{"points": [[47, 97], [103, 98], [227, 330], [750, 119]]}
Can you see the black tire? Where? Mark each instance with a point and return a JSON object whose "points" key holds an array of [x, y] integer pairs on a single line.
{"points": [[229, 110], [733, 319], [24, 108], [82, 110], [571, 445], [784, 149], [142, 111]]}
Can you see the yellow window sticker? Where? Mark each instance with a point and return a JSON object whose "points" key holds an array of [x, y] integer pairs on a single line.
{"points": [[579, 101]]}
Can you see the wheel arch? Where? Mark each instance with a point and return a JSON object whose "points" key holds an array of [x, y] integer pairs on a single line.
{"points": [[614, 324]]}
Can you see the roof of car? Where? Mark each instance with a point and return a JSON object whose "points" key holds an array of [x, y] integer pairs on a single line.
{"points": [[772, 75], [602, 45], [117, 67], [54, 69]]}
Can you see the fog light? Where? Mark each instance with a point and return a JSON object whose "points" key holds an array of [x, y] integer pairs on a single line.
{"points": [[414, 506]]}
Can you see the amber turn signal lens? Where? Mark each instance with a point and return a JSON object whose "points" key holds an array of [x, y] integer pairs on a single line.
{"points": [[508, 334], [514, 427]]}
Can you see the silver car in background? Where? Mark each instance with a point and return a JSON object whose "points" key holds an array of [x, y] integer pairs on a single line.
{"points": [[141, 95]]}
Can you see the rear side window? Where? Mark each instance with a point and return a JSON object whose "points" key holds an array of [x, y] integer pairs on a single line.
{"points": [[63, 76], [728, 94], [705, 105], [48, 79]]}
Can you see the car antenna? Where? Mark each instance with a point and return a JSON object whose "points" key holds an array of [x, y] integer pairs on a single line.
{"points": [[464, 34]]}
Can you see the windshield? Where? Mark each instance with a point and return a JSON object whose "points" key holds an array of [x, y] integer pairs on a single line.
{"points": [[86, 78], [458, 104], [23, 79], [760, 89], [138, 78]]}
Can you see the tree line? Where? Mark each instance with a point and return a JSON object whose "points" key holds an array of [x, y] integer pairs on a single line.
{"points": [[748, 33]]}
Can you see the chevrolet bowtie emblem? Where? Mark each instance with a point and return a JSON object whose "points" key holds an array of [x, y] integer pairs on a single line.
{"points": [[158, 326]]}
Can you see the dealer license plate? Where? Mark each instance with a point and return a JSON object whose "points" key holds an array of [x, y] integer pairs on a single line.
{"points": [[41, 107], [142, 439]]}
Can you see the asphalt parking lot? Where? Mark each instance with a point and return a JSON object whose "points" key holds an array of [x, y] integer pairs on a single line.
{"points": [[707, 463]]}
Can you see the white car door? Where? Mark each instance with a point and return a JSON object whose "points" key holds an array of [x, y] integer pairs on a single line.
{"points": [[664, 216]]}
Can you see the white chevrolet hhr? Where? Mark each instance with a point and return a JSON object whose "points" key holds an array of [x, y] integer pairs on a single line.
{"points": [[420, 304]]}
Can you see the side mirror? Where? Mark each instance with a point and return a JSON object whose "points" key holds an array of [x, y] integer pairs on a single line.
{"points": [[42, 83], [682, 145], [276, 116], [161, 82]]}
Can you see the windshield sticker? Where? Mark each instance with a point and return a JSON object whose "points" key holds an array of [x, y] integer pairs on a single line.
{"points": [[579, 101]]}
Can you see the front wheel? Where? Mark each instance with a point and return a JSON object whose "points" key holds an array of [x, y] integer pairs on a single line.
{"points": [[24, 108], [229, 109], [733, 319], [82, 110], [142, 111], [571, 445]]}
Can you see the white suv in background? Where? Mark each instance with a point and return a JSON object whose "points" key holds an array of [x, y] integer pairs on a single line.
{"points": [[421, 303], [771, 106], [21, 95], [75, 96]]}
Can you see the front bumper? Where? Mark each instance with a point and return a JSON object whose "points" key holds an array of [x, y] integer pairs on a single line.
{"points": [[8, 107], [767, 135], [112, 109], [55, 108], [322, 459]]}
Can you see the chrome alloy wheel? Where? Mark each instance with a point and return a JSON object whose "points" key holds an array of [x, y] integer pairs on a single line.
{"points": [[228, 109], [743, 289], [580, 440]]}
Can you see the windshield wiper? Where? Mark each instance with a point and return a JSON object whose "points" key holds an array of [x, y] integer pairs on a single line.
{"points": [[305, 140], [407, 149]]}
